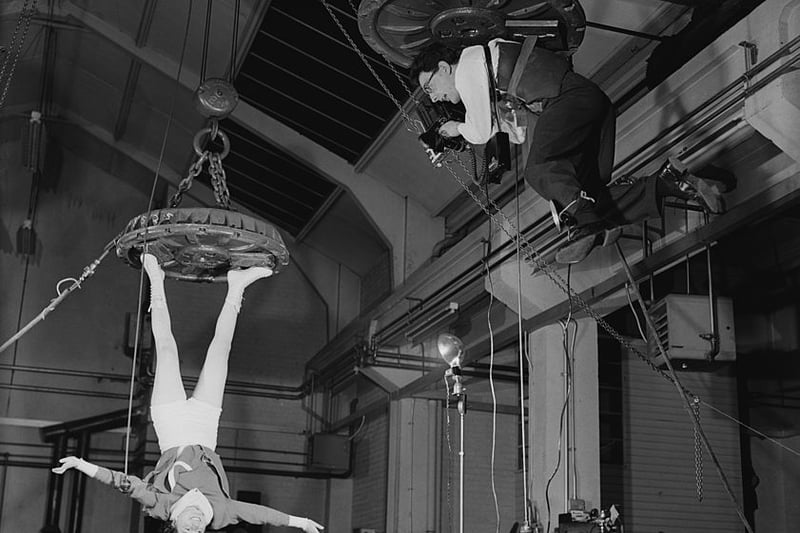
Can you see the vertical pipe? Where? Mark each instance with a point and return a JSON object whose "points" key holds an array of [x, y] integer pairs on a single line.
{"points": [[565, 449], [78, 489], [461, 408], [55, 485]]}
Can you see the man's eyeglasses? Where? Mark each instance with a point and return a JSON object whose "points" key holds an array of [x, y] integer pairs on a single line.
{"points": [[426, 87]]}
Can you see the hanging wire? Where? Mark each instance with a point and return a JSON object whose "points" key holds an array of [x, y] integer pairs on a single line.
{"points": [[517, 193], [491, 385], [170, 116], [751, 428]]}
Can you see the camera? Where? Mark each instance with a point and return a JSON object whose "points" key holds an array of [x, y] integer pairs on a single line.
{"points": [[433, 115]]}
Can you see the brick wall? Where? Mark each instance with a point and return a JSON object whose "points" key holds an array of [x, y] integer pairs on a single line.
{"points": [[370, 471]]}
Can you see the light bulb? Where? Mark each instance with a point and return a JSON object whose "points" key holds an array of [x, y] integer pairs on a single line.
{"points": [[450, 348]]}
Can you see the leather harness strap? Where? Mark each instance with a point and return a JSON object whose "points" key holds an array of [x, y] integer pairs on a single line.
{"points": [[519, 66]]}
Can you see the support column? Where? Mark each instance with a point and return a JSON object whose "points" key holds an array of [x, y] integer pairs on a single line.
{"points": [[573, 446], [414, 426]]}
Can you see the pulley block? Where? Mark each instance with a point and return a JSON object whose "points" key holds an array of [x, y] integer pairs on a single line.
{"points": [[202, 244], [216, 98], [399, 29]]}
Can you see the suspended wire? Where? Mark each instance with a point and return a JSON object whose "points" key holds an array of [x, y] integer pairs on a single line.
{"points": [[751, 428], [567, 393], [635, 314], [491, 386], [170, 116], [523, 437]]}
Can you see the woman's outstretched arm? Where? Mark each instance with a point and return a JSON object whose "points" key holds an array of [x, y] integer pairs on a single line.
{"points": [[127, 484], [259, 514]]}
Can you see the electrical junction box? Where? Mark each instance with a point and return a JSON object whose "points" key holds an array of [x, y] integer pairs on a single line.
{"points": [[330, 451], [681, 319]]}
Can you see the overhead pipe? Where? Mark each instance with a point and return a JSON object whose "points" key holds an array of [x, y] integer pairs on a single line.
{"points": [[93, 424], [725, 92]]}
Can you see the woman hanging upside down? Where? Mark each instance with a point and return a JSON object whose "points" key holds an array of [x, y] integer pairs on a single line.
{"points": [[189, 487]]}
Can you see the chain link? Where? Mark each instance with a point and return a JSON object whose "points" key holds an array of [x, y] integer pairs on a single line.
{"points": [[698, 450], [218, 181], [186, 183], [25, 16], [412, 125]]}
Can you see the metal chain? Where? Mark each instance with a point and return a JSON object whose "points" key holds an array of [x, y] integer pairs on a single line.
{"points": [[186, 183], [218, 181], [410, 122], [698, 451], [25, 15], [533, 258]]}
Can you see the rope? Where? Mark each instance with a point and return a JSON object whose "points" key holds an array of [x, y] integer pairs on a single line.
{"points": [[88, 271]]}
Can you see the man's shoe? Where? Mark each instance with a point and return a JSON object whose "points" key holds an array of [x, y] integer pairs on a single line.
{"points": [[703, 192], [579, 247], [575, 251], [579, 212], [672, 170]]}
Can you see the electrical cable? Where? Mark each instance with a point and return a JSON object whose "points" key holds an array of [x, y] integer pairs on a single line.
{"points": [[635, 313], [520, 337], [353, 436], [567, 393], [494, 394]]}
